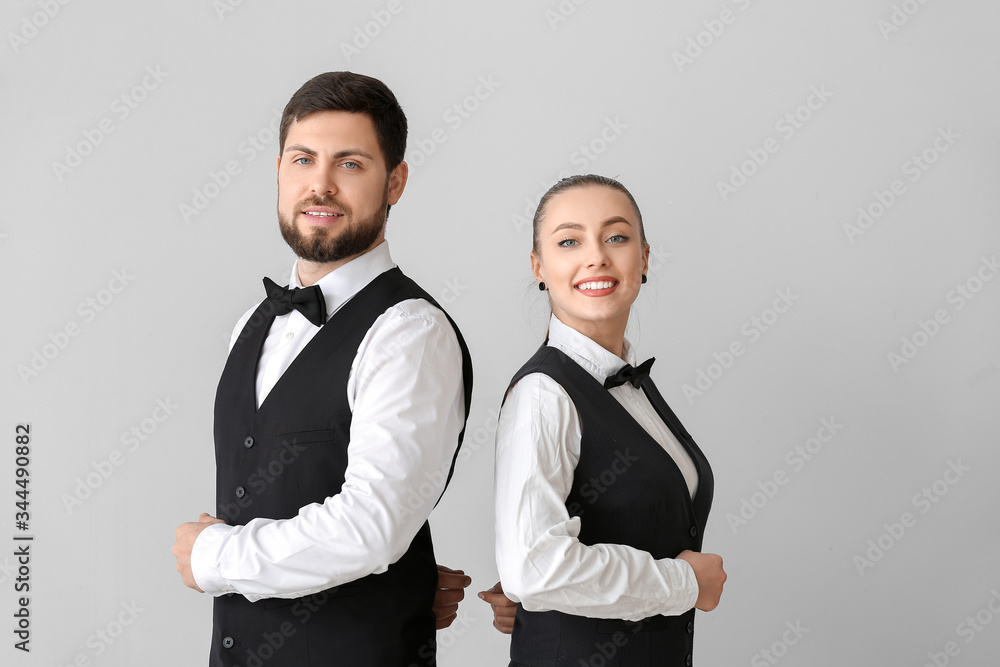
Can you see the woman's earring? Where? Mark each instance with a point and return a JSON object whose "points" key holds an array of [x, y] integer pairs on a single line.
{"points": [[541, 287], [644, 279]]}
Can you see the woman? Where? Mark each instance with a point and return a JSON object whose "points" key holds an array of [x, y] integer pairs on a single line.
{"points": [[601, 495]]}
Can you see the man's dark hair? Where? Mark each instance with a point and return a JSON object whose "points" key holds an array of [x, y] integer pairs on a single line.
{"points": [[354, 93]]}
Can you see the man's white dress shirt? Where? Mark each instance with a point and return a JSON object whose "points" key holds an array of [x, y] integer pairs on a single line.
{"points": [[542, 563], [407, 402]]}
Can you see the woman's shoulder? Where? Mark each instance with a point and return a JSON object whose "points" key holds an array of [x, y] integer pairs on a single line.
{"points": [[549, 361]]}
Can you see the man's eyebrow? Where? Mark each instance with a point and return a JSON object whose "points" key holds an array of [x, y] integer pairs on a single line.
{"points": [[348, 152], [301, 149], [577, 225]]}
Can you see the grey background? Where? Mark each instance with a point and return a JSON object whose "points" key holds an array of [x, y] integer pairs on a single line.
{"points": [[562, 73]]}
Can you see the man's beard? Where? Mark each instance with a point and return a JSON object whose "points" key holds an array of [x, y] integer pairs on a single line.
{"points": [[322, 244]]}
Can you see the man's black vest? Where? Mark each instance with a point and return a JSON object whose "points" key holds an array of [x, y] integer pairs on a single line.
{"points": [[292, 451], [626, 490]]}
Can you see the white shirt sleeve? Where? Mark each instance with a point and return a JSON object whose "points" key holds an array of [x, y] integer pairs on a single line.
{"points": [[407, 400], [542, 563]]}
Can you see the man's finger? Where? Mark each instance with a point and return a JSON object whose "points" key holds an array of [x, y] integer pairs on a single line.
{"points": [[448, 596], [446, 611], [453, 579], [443, 623]]}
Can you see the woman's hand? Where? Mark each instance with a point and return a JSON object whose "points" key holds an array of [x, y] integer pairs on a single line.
{"points": [[504, 609], [710, 575]]}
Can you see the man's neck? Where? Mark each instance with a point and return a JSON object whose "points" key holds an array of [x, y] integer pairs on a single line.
{"points": [[310, 273]]}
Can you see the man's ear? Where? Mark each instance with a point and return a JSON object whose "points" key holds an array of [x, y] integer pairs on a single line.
{"points": [[277, 165], [397, 181]]}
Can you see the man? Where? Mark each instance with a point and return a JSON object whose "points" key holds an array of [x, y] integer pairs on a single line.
{"points": [[338, 416]]}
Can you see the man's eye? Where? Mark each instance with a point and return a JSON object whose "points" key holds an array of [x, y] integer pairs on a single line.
{"points": [[351, 165], [302, 160]]}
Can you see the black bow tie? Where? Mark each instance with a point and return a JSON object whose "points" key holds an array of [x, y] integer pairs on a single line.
{"points": [[307, 300], [634, 376]]}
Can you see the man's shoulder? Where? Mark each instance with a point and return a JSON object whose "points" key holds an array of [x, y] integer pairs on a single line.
{"points": [[416, 311]]}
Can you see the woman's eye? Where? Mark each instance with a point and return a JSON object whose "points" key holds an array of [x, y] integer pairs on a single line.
{"points": [[566, 243], [618, 238]]}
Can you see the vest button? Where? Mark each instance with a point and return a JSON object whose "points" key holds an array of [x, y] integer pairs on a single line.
{"points": [[687, 660], [227, 642], [240, 492], [248, 442], [690, 627], [694, 531]]}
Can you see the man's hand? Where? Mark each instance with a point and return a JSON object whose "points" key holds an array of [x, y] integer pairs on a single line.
{"points": [[187, 533], [504, 609], [710, 575], [450, 591]]}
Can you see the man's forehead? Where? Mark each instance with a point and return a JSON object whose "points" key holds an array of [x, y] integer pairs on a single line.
{"points": [[334, 131], [333, 122]]}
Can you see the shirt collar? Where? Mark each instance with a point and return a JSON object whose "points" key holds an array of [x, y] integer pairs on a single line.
{"points": [[590, 355], [341, 284]]}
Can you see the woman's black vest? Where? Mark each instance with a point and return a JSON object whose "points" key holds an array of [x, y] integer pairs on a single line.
{"points": [[292, 451], [626, 490]]}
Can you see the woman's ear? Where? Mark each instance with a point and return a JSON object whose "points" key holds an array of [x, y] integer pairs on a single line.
{"points": [[536, 267]]}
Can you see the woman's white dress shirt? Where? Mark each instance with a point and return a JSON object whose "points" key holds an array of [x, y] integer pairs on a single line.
{"points": [[542, 563]]}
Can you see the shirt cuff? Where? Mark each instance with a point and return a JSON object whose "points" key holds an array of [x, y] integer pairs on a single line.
{"points": [[685, 586], [205, 560]]}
